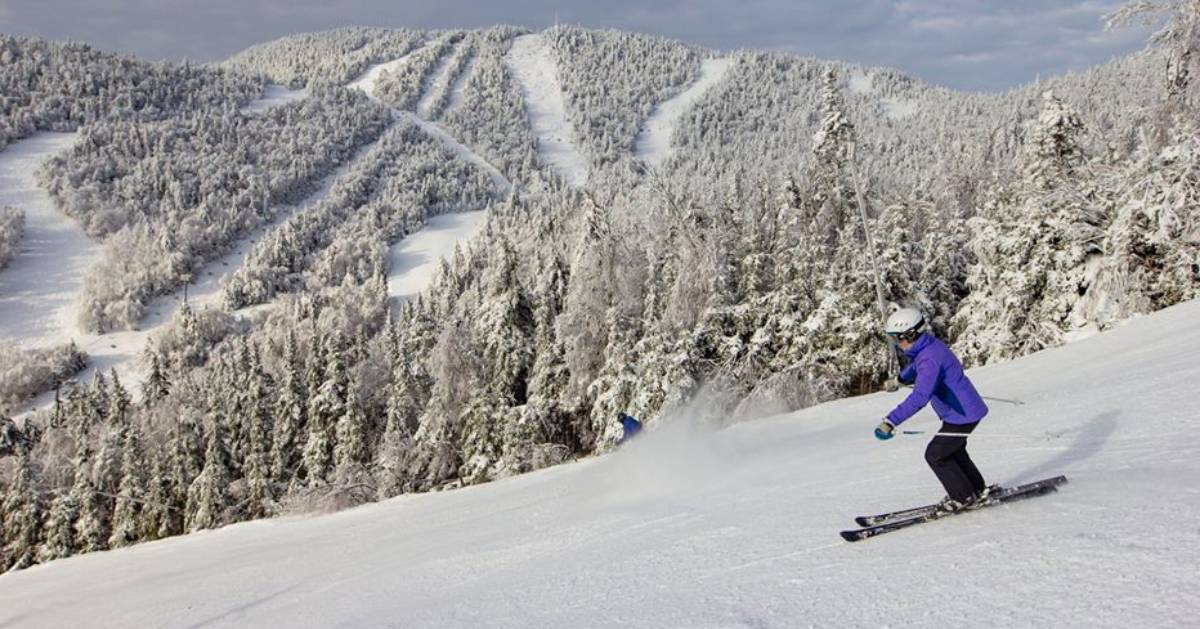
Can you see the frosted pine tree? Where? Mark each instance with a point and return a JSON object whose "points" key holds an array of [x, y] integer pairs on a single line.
{"points": [[157, 385], [21, 515], [325, 407], [118, 402], [503, 328], [1033, 244], [127, 514], [156, 517], [91, 529], [60, 527], [290, 414], [832, 172], [207, 498], [351, 451]]}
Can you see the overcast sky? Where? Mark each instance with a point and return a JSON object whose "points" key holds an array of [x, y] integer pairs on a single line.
{"points": [[966, 44]]}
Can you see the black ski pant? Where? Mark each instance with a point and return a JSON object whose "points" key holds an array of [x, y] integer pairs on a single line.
{"points": [[948, 458]]}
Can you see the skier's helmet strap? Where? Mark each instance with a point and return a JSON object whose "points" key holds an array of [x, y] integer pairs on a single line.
{"points": [[904, 322]]}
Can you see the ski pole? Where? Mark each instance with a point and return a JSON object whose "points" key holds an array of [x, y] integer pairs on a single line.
{"points": [[935, 434], [991, 399]]}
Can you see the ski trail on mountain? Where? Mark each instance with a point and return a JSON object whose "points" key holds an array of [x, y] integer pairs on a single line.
{"points": [[414, 260], [120, 350], [273, 96], [460, 83], [532, 63], [439, 81], [503, 185], [653, 144], [39, 290], [368, 87], [370, 77]]}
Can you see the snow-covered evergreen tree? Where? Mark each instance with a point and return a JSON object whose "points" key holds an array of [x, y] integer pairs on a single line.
{"points": [[131, 494], [21, 514], [207, 498]]}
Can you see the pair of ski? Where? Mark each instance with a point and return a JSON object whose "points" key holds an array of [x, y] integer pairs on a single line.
{"points": [[895, 520]]}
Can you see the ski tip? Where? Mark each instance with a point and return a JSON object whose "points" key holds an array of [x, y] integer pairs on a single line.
{"points": [[851, 536], [862, 521]]}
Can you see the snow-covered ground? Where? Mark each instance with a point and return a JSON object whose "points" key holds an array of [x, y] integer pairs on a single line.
{"points": [[735, 528], [532, 63], [653, 144], [460, 83], [273, 96], [439, 81], [413, 261], [367, 80], [39, 289]]}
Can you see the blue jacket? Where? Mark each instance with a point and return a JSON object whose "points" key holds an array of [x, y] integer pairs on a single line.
{"points": [[939, 378], [631, 427]]}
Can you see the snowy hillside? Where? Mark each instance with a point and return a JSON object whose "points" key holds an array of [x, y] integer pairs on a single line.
{"points": [[734, 528], [423, 260]]}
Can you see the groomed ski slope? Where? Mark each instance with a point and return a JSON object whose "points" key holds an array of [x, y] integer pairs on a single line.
{"points": [[653, 143], [39, 289], [735, 528], [531, 61], [414, 260]]}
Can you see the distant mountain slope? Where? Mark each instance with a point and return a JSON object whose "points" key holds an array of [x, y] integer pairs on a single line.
{"points": [[53, 86], [328, 57]]}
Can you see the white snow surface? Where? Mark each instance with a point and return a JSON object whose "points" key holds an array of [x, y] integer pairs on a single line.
{"points": [[39, 289], [460, 83], [653, 144], [689, 527], [439, 81], [367, 80], [532, 63], [413, 261], [273, 96]]}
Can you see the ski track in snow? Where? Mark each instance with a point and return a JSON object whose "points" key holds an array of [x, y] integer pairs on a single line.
{"points": [[503, 185], [532, 63], [688, 527], [367, 80], [460, 83], [438, 82], [39, 290], [413, 261], [653, 144], [273, 96]]}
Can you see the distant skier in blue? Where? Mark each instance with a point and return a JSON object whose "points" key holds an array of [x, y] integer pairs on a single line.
{"points": [[630, 425], [937, 376]]}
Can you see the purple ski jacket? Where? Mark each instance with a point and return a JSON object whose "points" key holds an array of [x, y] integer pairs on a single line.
{"points": [[939, 378]]}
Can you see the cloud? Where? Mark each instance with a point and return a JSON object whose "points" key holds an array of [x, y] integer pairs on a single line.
{"points": [[967, 44]]}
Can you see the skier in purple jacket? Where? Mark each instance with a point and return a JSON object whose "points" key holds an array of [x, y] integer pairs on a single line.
{"points": [[937, 377]]}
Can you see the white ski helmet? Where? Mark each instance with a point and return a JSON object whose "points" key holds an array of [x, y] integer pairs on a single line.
{"points": [[904, 320]]}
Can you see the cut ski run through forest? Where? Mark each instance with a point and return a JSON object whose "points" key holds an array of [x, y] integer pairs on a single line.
{"points": [[532, 62], [689, 527], [47, 276]]}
